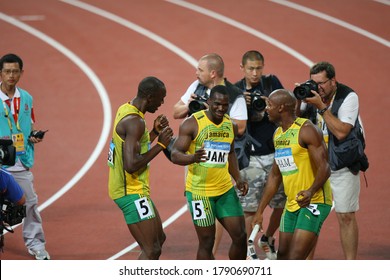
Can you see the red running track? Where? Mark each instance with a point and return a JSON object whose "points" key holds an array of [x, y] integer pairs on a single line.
{"points": [[83, 223]]}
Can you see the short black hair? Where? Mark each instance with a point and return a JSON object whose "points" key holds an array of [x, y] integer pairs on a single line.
{"points": [[150, 85], [219, 89], [11, 58], [252, 55]]}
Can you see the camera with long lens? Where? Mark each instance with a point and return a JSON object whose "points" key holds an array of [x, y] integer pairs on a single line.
{"points": [[197, 104], [304, 90], [257, 103], [7, 152]]}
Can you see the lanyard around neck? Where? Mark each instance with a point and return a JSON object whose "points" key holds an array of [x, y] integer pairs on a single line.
{"points": [[8, 112]]}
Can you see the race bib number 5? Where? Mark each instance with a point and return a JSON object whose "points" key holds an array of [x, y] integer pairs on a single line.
{"points": [[198, 210], [144, 208]]}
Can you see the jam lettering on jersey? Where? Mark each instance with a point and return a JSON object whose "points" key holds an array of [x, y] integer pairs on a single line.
{"points": [[285, 161], [217, 153]]}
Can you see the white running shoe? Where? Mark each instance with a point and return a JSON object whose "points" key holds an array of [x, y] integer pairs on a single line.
{"points": [[39, 254], [267, 244]]}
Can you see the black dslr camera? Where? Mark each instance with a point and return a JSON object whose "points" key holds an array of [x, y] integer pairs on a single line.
{"points": [[12, 214], [257, 103], [304, 90], [7, 152], [197, 105]]}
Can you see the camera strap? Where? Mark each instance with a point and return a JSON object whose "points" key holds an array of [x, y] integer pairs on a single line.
{"points": [[267, 84]]}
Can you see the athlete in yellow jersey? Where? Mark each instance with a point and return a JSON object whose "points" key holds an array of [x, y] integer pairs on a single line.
{"points": [[301, 161], [129, 156], [205, 143]]}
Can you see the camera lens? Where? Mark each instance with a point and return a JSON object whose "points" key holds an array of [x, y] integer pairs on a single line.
{"points": [[304, 90], [258, 104], [196, 106], [300, 92]]}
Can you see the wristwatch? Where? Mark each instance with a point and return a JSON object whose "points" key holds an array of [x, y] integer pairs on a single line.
{"points": [[321, 112]]}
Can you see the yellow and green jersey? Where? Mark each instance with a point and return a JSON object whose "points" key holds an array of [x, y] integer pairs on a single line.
{"points": [[211, 178], [120, 182], [296, 168]]}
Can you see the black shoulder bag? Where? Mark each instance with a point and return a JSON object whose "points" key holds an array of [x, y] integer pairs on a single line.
{"points": [[348, 152]]}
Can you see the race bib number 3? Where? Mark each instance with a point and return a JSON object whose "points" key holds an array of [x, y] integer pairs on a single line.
{"points": [[198, 210], [144, 208]]}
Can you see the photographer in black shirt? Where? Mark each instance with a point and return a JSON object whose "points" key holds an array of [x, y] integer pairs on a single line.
{"points": [[255, 85]]}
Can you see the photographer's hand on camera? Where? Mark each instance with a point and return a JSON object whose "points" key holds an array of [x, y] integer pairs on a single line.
{"points": [[248, 98], [192, 98], [197, 104], [316, 100], [256, 104]]}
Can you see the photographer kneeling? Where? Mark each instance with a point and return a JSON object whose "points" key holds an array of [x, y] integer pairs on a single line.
{"points": [[12, 192]]}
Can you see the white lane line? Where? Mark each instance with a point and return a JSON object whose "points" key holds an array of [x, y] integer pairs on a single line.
{"points": [[30, 17], [334, 21], [386, 2], [163, 42], [152, 36], [102, 94], [171, 219], [244, 28]]}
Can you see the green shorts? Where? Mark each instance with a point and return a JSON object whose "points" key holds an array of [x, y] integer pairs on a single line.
{"points": [[304, 219], [204, 209], [136, 208]]}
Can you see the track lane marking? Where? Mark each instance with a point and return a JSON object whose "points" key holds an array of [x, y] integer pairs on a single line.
{"points": [[244, 28], [105, 132], [130, 25], [163, 42], [333, 20]]}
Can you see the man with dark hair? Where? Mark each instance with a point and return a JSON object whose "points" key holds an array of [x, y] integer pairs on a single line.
{"points": [[206, 144], [18, 125], [129, 156], [338, 123], [210, 73], [256, 86]]}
